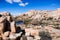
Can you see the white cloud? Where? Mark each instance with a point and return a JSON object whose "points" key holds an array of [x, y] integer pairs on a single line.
{"points": [[26, 3], [9, 1], [17, 0], [23, 4], [20, 2]]}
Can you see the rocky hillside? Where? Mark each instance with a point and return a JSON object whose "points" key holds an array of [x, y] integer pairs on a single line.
{"points": [[37, 25], [41, 24], [41, 17]]}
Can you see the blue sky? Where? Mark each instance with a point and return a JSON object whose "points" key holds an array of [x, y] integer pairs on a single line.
{"points": [[16, 7]]}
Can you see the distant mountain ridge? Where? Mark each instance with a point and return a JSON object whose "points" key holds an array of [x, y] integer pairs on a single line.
{"points": [[36, 14]]}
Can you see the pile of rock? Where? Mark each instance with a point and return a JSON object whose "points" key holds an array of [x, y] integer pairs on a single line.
{"points": [[7, 27], [41, 25], [38, 25], [42, 17]]}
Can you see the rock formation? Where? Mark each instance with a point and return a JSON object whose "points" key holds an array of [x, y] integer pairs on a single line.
{"points": [[7, 27], [37, 25], [41, 24]]}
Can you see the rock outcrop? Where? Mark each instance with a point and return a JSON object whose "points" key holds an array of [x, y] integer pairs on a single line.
{"points": [[7, 27], [37, 25], [41, 24]]}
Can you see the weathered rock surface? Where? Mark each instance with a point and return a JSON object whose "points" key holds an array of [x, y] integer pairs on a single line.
{"points": [[46, 22], [38, 25], [8, 28]]}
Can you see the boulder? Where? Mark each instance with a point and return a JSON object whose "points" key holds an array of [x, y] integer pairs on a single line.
{"points": [[5, 14], [37, 37], [2, 19], [12, 36], [32, 32], [13, 27], [54, 33], [9, 18], [6, 34], [1, 27], [30, 38]]}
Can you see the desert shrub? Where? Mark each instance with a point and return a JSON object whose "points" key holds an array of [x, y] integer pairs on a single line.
{"points": [[57, 26], [27, 21], [44, 34], [50, 18]]}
